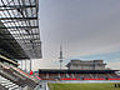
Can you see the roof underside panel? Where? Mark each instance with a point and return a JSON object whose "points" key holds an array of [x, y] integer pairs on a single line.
{"points": [[75, 71], [9, 47], [21, 28]]}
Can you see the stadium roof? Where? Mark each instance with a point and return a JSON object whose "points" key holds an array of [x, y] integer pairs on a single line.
{"points": [[8, 60], [20, 34], [9, 46]]}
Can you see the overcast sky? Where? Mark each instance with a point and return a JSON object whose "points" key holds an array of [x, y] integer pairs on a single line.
{"points": [[87, 29]]}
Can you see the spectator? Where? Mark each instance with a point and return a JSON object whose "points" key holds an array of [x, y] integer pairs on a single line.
{"points": [[115, 85]]}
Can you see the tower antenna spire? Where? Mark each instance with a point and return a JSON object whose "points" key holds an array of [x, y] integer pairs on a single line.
{"points": [[61, 57]]}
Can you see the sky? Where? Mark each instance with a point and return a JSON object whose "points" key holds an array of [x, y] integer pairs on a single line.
{"points": [[86, 29]]}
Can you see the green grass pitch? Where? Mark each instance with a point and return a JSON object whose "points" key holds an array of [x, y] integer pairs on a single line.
{"points": [[83, 86]]}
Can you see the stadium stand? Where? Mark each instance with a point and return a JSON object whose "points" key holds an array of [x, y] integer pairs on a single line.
{"points": [[19, 40], [81, 70], [46, 74], [12, 77]]}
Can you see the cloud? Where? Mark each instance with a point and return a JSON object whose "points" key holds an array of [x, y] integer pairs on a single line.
{"points": [[114, 65], [88, 29]]}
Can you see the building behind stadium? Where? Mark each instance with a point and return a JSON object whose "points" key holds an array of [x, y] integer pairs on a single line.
{"points": [[86, 65]]}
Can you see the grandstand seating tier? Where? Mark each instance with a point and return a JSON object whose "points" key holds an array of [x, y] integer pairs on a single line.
{"points": [[78, 75]]}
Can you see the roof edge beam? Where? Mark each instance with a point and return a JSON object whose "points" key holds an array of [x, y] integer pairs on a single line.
{"points": [[18, 6], [23, 27], [19, 18]]}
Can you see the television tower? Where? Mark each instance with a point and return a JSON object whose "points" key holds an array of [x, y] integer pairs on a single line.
{"points": [[61, 57]]}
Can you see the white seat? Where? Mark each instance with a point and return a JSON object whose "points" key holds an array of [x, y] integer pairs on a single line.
{"points": [[8, 84]]}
